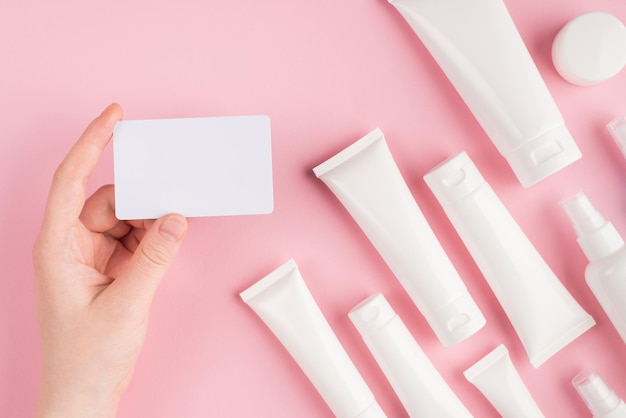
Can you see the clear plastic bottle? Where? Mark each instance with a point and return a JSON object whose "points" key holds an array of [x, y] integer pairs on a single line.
{"points": [[599, 398], [606, 251]]}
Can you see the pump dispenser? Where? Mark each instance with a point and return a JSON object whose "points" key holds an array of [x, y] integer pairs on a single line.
{"points": [[599, 398], [606, 251]]}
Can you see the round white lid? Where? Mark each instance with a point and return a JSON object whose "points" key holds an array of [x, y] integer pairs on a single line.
{"points": [[590, 48]]}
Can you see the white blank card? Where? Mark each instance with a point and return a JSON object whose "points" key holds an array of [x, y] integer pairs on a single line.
{"points": [[194, 167]]}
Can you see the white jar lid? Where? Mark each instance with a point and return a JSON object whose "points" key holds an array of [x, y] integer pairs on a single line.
{"points": [[590, 48]]}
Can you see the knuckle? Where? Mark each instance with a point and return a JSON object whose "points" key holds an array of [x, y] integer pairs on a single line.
{"points": [[155, 255], [61, 171]]}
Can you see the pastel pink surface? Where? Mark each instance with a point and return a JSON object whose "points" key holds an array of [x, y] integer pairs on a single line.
{"points": [[326, 73]]}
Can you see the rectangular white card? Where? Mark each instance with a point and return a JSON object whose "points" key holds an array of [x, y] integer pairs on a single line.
{"points": [[194, 167]]}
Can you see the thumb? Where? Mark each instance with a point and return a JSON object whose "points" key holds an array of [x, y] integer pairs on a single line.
{"points": [[152, 258]]}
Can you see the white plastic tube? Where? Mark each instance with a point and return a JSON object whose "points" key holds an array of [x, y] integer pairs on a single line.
{"points": [[478, 47], [367, 181], [284, 303], [421, 389], [495, 376], [545, 316]]}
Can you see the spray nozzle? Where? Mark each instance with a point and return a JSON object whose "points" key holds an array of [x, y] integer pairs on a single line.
{"points": [[584, 216], [600, 398], [597, 237]]}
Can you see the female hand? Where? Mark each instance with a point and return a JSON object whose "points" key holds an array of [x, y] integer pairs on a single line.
{"points": [[95, 278]]}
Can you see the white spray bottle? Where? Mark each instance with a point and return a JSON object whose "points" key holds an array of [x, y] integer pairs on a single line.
{"points": [[599, 398], [606, 251]]}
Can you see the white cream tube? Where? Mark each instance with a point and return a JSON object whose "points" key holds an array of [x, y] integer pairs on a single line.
{"points": [[421, 389], [478, 47], [495, 376], [283, 301], [367, 181], [545, 316]]}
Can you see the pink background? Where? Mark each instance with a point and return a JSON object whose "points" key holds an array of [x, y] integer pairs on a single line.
{"points": [[326, 72]]}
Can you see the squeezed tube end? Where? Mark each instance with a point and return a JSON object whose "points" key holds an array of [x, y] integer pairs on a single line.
{"points": [[484, 363], [349, 152], [543, 156], [599, 398], [267, 281]]}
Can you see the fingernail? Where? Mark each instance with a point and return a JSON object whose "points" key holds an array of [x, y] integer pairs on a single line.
{"points": [[173, 228]]}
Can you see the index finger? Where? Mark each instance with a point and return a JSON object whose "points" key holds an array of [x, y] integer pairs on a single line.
{"points": [[68, 190]]}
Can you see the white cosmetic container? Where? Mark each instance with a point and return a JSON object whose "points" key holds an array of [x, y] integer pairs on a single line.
{"points": [[283, 301], [543, 313], [478, 47], [496, 377], [599, 398], [367, 181], [606, 251], [420, 387], [590, 48]]}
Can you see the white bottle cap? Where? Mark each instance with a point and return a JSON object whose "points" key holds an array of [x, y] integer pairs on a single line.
{"points": [[599, 398], [371, 314], [453, 323], [617, 129], [543, 155], [457, 320], [454, 179], [590, 48], [597, 237]]}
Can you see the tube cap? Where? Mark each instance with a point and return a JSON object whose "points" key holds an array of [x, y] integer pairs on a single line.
{"points": [[590, 48], [454, 179], [371, 314], [599, 398], [597, 237], [543, 155], [453, 323], [617, 129], [456, 321]]}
